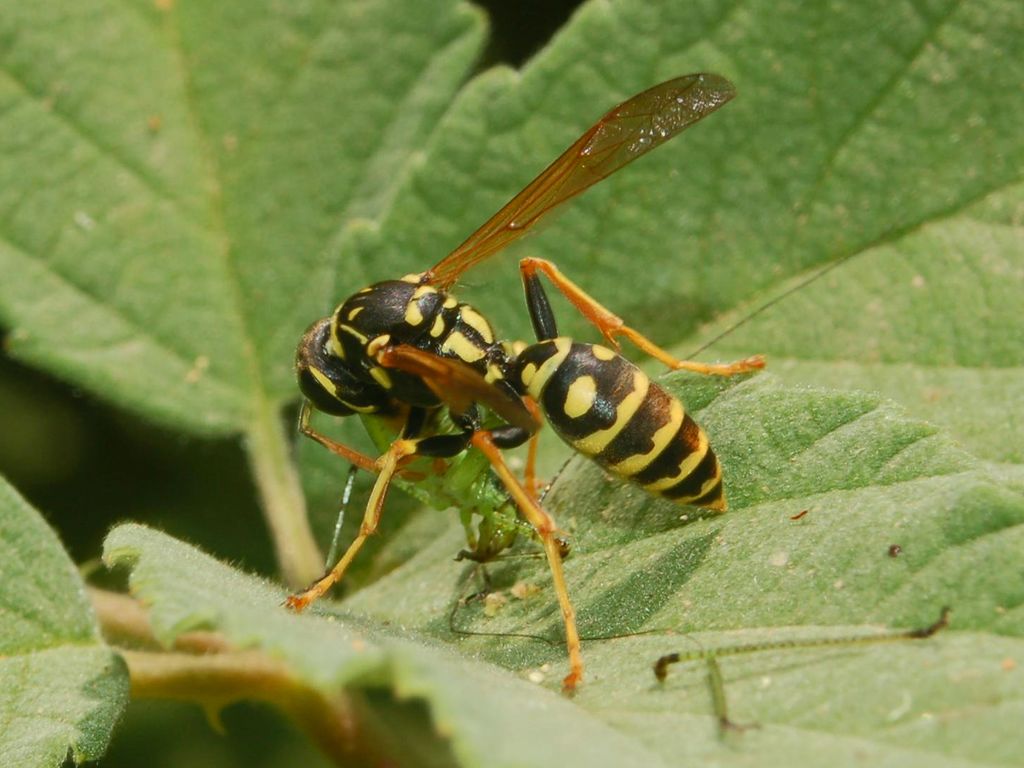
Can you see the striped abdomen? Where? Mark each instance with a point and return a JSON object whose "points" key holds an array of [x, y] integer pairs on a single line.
{"points": [[608, 409]]}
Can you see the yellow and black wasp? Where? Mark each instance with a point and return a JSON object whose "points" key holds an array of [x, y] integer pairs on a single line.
{"points": [[407, 354]]}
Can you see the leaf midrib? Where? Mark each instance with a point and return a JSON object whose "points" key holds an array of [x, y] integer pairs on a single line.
{"points": [[217, 224], [147, 181]]}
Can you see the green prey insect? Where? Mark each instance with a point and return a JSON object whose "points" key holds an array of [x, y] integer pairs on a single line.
{"points": [[466, 483], [717, 684], [441, 394]]}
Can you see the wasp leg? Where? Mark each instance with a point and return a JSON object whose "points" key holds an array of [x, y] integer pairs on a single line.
{"points": [[351, 455], [545, 527], [530, 473], [607, 322], [511, 436], [387, 467]]}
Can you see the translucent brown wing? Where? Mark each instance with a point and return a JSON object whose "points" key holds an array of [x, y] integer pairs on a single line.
{"points": [[457, 385], [628, 131]]}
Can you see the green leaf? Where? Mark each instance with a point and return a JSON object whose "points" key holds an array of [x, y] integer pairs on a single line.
{"points": [[61, 688], [869, 478], [187, 185], [173, 176], [946, 341], [471, 704], [194, 162]]}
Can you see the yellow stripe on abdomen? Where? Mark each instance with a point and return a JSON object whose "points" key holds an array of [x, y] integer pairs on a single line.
{"points": [[595, 442]]}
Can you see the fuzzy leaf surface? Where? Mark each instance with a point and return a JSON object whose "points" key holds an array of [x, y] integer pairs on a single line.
{"points": [[61, 688]]}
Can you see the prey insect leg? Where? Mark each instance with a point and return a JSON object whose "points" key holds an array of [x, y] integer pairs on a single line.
{"points": [[346, 495], [717, 684]]}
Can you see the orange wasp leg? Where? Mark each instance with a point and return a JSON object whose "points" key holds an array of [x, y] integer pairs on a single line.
{"points": [[530, 473], [351, 455], [553, 546], [387, 466], [611, 325]]}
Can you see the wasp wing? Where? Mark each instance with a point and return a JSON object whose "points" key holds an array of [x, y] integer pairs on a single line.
{"points": [[458, 385], [628, 131]]}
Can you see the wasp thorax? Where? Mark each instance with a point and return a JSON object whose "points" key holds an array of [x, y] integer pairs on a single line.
{"points": [[399, 309]]}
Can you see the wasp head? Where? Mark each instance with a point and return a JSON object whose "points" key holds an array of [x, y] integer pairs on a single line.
{"points": [[329, 382]]}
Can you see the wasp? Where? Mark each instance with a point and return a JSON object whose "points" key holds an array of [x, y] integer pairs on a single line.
{"points": [[407, 355]]}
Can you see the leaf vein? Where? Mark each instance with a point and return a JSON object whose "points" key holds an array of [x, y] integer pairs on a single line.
{"points": [[148, 180], [368, 168], [223, 249], [140, 331]]}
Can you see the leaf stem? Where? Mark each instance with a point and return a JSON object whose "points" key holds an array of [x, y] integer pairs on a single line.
{"points": [[204, 668], [217, 680], [125, 622], [284, 505]]}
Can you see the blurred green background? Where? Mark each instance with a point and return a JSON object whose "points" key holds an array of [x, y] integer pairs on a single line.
{"points": [[86, 466]]}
